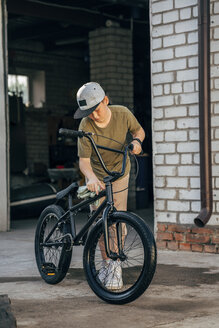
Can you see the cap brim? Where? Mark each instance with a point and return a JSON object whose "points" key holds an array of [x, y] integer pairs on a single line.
{"points": [[83, 113]]}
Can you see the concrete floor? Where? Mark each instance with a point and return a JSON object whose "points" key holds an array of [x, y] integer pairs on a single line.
{"points": [[183, 293]]}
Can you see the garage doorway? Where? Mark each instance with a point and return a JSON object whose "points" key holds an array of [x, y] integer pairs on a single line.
{"points": [[48, 47]]}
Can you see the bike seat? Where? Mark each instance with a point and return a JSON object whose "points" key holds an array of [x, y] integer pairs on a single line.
{"points": [[61, 194]]}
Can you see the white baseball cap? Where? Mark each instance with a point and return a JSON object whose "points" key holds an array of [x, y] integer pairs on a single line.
{"points": [[89, 96]]}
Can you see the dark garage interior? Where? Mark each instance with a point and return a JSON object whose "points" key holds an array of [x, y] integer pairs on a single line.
{"points": [[52, 50]]}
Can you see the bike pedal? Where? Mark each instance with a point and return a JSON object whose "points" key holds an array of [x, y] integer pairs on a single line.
{"points": [[49, 269]]}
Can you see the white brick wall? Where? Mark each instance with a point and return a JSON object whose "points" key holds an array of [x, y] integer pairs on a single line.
{"points": [[175, 110]]}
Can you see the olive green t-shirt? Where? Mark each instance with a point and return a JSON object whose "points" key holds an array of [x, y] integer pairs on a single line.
{"points": [[122, 121]]}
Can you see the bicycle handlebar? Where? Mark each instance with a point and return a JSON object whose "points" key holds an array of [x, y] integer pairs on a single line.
{"points": [[71, 133], [81, 134]]}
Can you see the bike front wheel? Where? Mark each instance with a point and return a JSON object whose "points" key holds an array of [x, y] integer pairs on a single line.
{"points": [[53, 256], [124, 280]]}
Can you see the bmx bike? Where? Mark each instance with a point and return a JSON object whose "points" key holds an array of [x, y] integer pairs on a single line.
{"points": [[133, 250]]}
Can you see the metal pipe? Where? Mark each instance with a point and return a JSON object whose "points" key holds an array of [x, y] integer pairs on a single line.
{"points": [[204, 113]]}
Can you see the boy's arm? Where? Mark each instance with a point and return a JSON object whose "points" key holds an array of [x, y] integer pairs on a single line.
{"points": [[140, 134], [92, 182]]}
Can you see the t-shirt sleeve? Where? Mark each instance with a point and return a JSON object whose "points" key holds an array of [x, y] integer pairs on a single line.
{"points": [[133, 124], [84, 145]]}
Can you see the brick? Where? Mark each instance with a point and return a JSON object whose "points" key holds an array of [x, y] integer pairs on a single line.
{"points": [[194, 134], [193, 37], [178, 205], [158, 113], [159, 182], [189, 171], [163, 78], [160, 205], [162, 54], [197, 238], [184, 3], [189, 86], [187, 26], [214, 46], [156, 67], [189, 98], [164, 236], [185, 246], [166, 89], [196, 158], [165, 216], [186, 75], [186, 123], [186, 218], [216, 33], [166, 171], [179, 236], [214, 96], [193, 62], [161, 244], [215, 121], [164, 125], [161, 6], [193, 194], [176, 136], [173, 245], [156, 19], [195, 183], [157, 90], [176, 87], [159, 159], [215, 239], [163, 101], [175, 65], [172, 159], [174, 40], [165, 193], [187, 50], [202, 230], [196, 207], [161, 226], [210, 248], [195, 11], [158, 31], [156, 43], [170, 16], [216, 7], [188, 147], [177, 228], [177, 182], [165, 148], [185, 13], [197, 248]]}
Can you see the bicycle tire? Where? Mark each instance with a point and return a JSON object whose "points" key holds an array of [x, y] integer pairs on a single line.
{"points": [[53, 262], [137, 270]]}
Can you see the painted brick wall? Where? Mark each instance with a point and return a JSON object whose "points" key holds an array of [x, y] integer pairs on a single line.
{"points": [[175, 114]]}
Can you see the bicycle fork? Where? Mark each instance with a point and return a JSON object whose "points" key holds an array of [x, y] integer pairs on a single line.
{"points": [[108, 209]]}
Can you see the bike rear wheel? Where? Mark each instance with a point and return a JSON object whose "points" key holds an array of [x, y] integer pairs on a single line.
{"points": [[53, 260], [137, 265]]}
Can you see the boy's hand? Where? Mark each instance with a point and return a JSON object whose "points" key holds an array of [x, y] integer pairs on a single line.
{"points": [[137, 147], [95, 185]]}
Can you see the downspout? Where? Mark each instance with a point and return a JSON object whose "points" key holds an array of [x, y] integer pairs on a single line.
{"points": [[204, 113]]}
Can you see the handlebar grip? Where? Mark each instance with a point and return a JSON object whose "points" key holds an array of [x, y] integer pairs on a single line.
{"points": [[71, 133], [130, 146]]}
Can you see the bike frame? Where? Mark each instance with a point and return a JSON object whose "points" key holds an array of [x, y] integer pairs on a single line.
{"points": [[107, 206]]}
